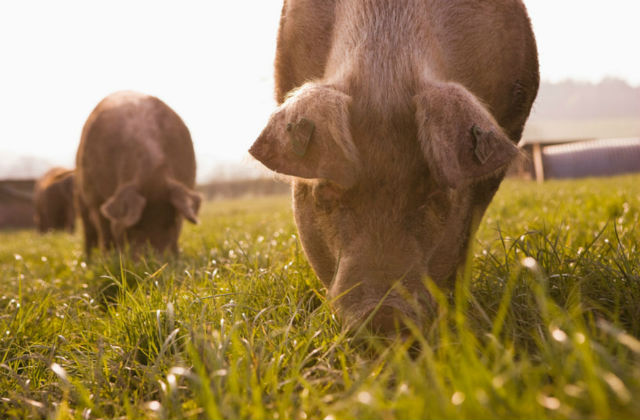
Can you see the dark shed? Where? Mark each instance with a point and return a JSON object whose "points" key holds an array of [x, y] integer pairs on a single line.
{"points": [[16, 204]]}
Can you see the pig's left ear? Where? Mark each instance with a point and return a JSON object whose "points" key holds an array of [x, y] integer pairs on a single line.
{"points": [[185, 200], [309, 136], [461, 141]]}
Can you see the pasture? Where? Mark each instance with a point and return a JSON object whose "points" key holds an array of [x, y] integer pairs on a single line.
{"points": [[544, 324]]}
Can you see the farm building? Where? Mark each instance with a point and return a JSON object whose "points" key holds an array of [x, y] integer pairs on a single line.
{"points": [[558, 159], [16, 204]]}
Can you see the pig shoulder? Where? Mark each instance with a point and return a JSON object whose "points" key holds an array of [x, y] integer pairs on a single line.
{"points": [[304, 42], [489, 48]]}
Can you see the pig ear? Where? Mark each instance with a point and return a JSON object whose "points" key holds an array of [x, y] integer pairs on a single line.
{"points": [[309, 136], [123, 209], [186, 201], [461, 141]]}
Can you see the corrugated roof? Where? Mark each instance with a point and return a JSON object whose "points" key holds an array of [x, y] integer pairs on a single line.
{"points": [[602, 157]]}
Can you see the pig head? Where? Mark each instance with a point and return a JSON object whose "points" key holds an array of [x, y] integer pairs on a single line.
{"points": [[138, 220], [365, 228], [135, 175], [393, 161]]}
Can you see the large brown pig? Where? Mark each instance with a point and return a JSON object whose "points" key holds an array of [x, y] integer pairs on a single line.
{"points": [[397, 122], [135, 174], [53, 200]]}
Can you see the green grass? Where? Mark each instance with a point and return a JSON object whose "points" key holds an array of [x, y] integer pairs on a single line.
{"points": [[545, 325]]}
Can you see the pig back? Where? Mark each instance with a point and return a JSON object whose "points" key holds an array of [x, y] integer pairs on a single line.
{"points": [[133, 138], [486, 46]]}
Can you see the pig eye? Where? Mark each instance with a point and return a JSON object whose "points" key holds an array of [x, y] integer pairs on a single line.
{"points": [[326, 195]]}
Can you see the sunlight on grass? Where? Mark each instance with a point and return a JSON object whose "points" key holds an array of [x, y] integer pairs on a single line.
{"points": [[544, 325]]}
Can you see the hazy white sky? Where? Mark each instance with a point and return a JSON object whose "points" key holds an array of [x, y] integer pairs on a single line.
{"points": [[211, 61]]}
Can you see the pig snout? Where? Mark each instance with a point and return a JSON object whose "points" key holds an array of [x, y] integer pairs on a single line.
{"points": [[385, 303]]}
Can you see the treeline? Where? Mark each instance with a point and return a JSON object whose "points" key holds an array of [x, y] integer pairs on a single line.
{"points": [[611, 98]]}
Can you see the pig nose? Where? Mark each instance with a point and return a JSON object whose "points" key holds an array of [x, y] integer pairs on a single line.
{"points": [[389, 317], [389, 321]]}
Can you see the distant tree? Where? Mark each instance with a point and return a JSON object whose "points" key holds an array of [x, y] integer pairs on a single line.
{"points": [[611, 98]]}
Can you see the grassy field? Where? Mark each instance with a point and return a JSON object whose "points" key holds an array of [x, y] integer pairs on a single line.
{"points": [[546, 324]]}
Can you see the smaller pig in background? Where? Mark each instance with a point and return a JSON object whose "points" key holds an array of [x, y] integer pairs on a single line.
{"points": [[136, 172], [53, 201]]}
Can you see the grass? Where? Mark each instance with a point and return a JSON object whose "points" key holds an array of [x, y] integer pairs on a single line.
{"points": [[545, 324]]}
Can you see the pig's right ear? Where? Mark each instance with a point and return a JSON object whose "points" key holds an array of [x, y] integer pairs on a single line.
{"points": [[309, 136], [123, 209]]}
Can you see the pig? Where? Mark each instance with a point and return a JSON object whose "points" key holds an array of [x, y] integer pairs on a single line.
{"points": [[53, 200], [135, 175], [396, 123]]}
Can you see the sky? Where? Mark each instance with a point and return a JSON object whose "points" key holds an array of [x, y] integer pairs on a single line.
{"points": [[212, 62]]}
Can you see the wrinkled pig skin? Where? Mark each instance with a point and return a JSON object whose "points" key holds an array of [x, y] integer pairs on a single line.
{"points": [[135, 175], [397, 121]]}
